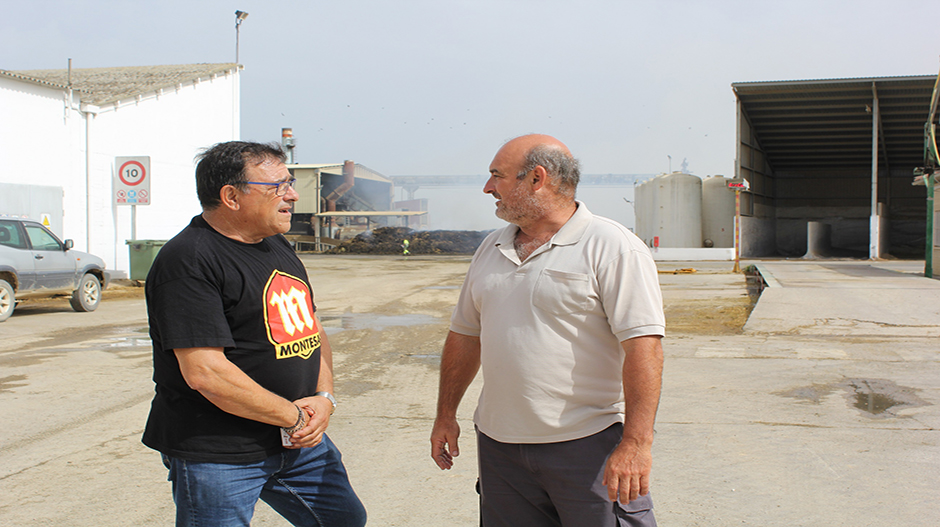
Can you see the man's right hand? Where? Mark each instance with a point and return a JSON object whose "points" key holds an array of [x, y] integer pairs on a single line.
{"points": [[318, 410], [460, 361], [444, 442]]}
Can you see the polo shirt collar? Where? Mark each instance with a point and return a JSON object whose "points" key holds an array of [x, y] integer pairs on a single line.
{"points": [[573, 229], [569, 234]]}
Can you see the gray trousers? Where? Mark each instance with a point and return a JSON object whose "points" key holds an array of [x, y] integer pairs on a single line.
{"points": [[554, 484]]}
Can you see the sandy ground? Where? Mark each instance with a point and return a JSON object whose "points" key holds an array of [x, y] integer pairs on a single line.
{"points": [[753, 429]]}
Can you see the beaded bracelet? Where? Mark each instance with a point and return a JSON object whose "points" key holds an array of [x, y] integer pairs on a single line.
{"points": [[301, 421]]}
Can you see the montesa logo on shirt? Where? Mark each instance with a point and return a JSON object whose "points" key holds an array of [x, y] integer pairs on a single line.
{"points": [[288, 317]]}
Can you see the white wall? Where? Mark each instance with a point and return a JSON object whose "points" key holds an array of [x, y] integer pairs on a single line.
{"points": [[36, 140], [41, 146], [171, 128]]}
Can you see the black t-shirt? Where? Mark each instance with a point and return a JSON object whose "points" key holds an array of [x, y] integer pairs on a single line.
{"points": [[253, 300]]}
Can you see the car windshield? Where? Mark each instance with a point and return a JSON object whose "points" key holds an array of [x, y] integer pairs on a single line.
{"points": [[10, 235], [41, 240]]}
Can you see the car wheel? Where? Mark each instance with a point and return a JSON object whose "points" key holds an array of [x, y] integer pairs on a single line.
{"points": [[7, 301], [88, 294]]}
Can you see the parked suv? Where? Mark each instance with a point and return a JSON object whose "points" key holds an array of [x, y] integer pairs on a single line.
{"points": [[35, 263]]}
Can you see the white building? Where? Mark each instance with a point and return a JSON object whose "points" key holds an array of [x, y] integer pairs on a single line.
{"points": [[64, 128]]}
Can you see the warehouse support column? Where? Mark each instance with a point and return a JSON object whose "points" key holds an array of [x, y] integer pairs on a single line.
{"points": [[739, 176], [88, 117], [930, 160], [874, 236]]}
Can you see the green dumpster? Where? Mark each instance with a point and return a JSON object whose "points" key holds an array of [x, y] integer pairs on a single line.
{"points": [[142, 254]]}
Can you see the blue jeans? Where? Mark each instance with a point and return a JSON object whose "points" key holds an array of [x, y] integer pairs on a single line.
{"points": [[308, 487]]}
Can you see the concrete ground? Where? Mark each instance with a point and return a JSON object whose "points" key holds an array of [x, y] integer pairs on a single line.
{"points": [[821, 410]]}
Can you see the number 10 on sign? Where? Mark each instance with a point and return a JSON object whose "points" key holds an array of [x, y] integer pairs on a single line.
{"points": [[132, 180]]}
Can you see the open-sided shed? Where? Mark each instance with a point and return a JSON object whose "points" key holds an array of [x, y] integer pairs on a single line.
{"points": [[339, 201], [838, 153]]}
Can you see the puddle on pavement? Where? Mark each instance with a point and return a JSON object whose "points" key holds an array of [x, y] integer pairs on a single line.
{"points": [[130, 342], [875, 397], [130, 347], [879, 397], [356, 321], [430, 358], [119, 340], [83, 338]]}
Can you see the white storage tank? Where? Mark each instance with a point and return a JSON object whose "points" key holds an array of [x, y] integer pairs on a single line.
{"points": [[717, 212], [644, 200], [669, 207]]}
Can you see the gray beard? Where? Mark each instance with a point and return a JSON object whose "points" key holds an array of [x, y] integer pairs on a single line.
{"points": [[524, 207]]}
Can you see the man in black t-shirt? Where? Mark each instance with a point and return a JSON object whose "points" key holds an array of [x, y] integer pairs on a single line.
{"points": [[242, 366]]}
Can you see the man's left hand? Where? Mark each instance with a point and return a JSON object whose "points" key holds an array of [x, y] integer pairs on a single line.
{"points": [[318, 411], [627, 474]]}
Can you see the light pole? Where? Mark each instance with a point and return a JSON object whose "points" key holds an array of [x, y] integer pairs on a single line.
{"points": [[632, 204], [240, 17]]}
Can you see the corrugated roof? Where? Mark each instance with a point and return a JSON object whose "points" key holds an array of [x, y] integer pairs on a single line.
{"points": [[828, 122], [31, 80], [834, 80], [102, 86]]}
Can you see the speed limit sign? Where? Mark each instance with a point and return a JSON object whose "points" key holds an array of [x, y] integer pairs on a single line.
{"points": [[132, 180]]}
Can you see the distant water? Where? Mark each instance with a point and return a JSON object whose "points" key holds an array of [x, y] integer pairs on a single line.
{"points": [[467, 208]]}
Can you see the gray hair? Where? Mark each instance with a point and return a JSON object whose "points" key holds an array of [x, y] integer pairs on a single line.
{"points": [[561, 166], [225, 164]]}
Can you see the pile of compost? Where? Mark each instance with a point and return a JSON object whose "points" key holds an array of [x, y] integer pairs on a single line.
{"points": [[391, 240]]}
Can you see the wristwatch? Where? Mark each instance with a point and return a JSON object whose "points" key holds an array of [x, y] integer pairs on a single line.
{"points": [[329, 396]]}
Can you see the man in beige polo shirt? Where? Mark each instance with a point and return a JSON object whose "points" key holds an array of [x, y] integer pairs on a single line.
{"points": [[563, 310]]}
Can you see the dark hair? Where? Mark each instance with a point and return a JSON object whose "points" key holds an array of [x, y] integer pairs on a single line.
{"points": [[561, 166], [224, 164]]}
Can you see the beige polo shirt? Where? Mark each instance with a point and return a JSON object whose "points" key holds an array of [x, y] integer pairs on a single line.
{"points": [[550, 327]]}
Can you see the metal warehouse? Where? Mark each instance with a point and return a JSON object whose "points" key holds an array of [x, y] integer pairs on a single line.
{"points": [[835, 159]]}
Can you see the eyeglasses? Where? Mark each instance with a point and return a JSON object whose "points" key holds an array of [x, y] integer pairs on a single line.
{"points": [[281, 187]]}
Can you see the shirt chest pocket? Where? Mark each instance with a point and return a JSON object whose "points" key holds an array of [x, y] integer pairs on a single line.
{"points": [[561, 293]]}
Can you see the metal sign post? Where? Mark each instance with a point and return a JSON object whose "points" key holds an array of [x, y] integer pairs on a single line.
{"points": [[737, 185]]}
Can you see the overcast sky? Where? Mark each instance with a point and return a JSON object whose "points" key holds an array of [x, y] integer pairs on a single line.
{"points": [[433, 87]]}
